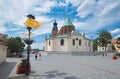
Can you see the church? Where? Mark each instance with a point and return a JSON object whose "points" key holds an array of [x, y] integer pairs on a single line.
{"points": [[67, 39]]}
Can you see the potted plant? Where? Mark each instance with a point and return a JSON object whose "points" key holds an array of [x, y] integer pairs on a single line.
{"points": [[27, 41], [21, 67]]}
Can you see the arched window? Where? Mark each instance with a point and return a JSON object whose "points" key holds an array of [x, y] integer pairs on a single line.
{"points": [[79, 42], [73, 42], [62, 42]]}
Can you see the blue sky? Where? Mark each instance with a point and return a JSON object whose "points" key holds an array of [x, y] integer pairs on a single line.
{"points": [[88, 16]]}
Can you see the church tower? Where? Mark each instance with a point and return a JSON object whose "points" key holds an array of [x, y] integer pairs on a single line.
{"points": [[55, 29]]}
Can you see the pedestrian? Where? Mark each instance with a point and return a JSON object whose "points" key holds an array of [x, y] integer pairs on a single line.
{"points": [[102, 54], [35, 56], [106, 53], [39, 54]]}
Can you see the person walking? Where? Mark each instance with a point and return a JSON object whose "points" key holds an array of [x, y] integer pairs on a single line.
{"points": [[106, 53], [102, 53], [35, 56], [40, 55]]}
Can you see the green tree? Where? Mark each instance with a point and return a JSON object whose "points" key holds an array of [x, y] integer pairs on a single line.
{"points": [[21, 44], [15, 45], [104, 38], [95, 44]]}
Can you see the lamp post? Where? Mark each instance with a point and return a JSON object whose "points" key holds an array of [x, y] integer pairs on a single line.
{"points": [[28, 43], [30, 23], [28, 53]]}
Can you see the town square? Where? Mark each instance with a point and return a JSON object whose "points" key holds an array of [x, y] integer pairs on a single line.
{"points": [[59, 39]]}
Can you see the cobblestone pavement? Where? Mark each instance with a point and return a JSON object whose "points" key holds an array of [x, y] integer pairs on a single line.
{"points": [[65, 66]]}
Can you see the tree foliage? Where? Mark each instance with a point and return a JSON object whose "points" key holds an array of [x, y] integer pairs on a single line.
{"points": [[95, 44], [15, 44], [104, 38]]}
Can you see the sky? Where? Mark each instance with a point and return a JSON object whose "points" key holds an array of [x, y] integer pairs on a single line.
{"points": [[88, 16]]}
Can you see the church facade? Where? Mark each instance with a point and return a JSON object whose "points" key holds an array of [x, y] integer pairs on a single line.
{"points": [[67, 39]]}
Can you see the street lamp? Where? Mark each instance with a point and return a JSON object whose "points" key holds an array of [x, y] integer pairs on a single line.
{"points": [[28, 50], [30, 23], [28, 53]]}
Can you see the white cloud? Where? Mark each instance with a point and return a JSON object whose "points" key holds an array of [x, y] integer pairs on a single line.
{"points": [[100, 8], [43, 19], [42, 30], [88, 25], [107, 8], [45, 6], [62, 4], [115, 31], [87, 7], [103, 13], [2, 29], [13, 10], [15, 29], [37, 45], [74, 2]]}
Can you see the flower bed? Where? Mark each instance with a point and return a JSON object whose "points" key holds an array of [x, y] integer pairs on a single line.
{"points": [[22, 67]]}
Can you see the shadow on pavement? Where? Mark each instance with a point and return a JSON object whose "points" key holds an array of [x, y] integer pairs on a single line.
{"points": [[71, 77], [55, 73], [48, 75], [52, 74], [6, 68]]}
